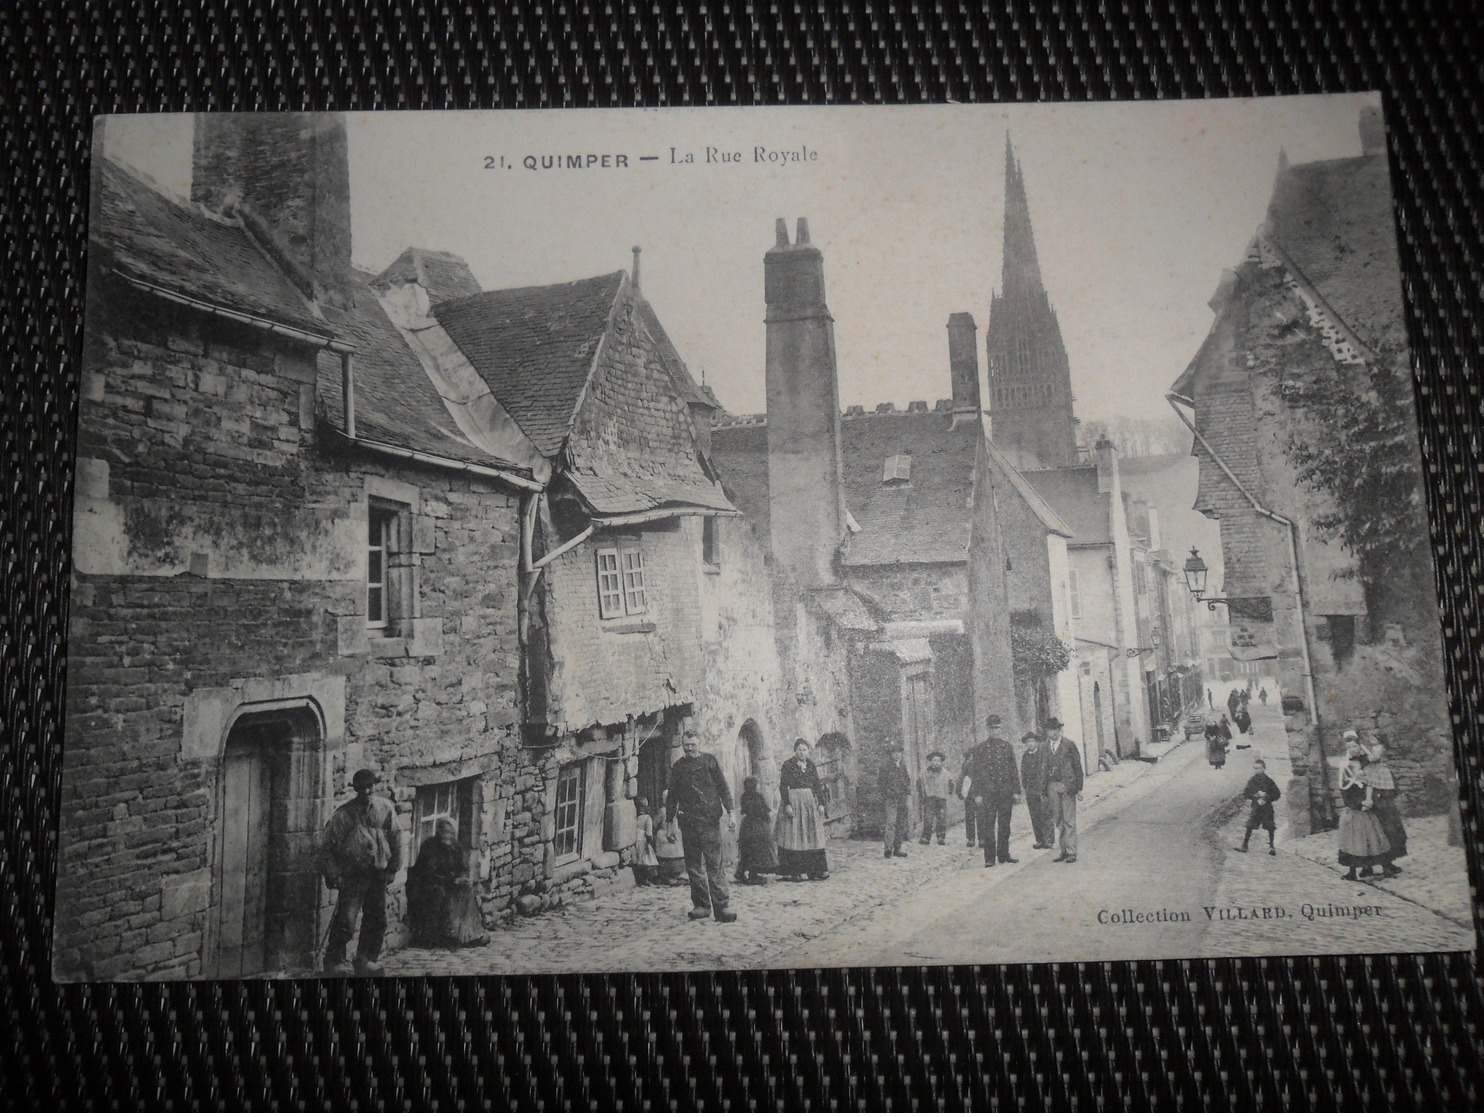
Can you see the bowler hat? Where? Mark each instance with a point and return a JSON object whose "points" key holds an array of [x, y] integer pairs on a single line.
{"points": [[992, 721], [364, 778], [1051, 723], [936, 753]]}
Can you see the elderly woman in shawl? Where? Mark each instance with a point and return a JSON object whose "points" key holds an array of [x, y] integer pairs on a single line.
{"points": [[1381, 797], [441, 908], [800, 834]]}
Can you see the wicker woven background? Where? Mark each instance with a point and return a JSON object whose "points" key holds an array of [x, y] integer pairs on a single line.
{"points": [[1392, 1031]]}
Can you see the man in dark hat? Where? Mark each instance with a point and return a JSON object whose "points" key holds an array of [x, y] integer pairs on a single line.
{"points": [[1063, 787], [932, 791], [1035, 763], [994, 783], [360, 853], [896, 788]]}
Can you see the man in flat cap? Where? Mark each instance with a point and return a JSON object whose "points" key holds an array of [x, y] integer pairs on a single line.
{"points": [[994, 783], [1063, 787], [360, 853], [699, 800]]}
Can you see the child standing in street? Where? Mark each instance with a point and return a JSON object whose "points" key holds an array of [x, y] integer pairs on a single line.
{"points": [[755, 855], [646, 865], [1262, 793], [932, 791]]}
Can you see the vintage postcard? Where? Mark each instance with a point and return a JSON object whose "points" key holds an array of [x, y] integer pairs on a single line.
{"points": [[656, 540]]}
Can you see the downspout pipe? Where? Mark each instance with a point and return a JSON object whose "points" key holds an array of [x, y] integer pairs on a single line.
{"points": [[1293, 545]]}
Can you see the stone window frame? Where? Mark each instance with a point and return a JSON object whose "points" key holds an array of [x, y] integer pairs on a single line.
{"points": [[459, 808], [573, 776], [711, 544], [386, 603], [407, 632]]}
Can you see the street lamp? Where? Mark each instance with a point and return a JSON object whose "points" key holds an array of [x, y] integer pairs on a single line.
{"points": [[1196, 573]]}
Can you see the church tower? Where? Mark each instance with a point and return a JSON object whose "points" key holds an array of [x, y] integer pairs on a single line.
{"points": [[1030, 382]]}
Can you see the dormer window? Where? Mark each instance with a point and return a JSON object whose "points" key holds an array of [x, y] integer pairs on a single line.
{"points": [[898, 467]]}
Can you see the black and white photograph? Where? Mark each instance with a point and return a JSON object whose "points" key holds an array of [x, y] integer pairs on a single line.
{"points": [[770, 538]]}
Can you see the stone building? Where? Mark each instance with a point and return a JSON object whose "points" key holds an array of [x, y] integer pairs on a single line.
{"points": [[1301, 404], [276, 581], [328, 519], [880, 517]]}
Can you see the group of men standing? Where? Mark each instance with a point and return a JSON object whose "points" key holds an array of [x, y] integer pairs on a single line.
{"points": [[1048, 777]]}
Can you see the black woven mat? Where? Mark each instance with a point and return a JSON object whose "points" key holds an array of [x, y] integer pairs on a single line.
{"points": [[1393, 1031]]}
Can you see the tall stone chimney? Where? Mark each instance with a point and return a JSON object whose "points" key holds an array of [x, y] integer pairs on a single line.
{"points": [[963, 366], [1106, 455], [806, 481], [287, 175]]}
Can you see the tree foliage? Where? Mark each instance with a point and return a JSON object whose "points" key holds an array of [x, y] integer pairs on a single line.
{"points": [[1035, 649]]}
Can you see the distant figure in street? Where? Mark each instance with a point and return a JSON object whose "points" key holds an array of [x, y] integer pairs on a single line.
{"points": [[1381, 793], [800, 829], [961, 789], [1233, 700], [932, 793], [1244, 721], [994, 785], [1035, 763], [1262, 696], [441, 908], [699, 798], [646, 859], [1064, 788], [755, 854], [1210, 702], [1218, 736], [896, 788], [360, 853], [1363, 844], [1262, 793]]}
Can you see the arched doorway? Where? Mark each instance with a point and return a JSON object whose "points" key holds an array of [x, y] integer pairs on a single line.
{"points": [[832, 761], [265, 884]]}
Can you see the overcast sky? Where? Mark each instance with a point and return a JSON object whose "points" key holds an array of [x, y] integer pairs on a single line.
{"points": [[1137, 208]]}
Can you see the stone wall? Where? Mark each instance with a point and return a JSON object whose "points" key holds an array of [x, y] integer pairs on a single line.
{"points": [[221, 574]]}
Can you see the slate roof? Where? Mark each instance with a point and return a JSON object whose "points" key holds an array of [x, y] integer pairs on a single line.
{"points": [[1034, 501], [616, 492], [443, 275], [924, 521], [396, 403], [534, 347], [147, 235], [1333, 219], [921, 521], [1073, 494]]}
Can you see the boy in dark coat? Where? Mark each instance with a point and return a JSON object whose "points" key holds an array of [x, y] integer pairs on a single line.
{"points": [[1262, 793], [896, 789]]}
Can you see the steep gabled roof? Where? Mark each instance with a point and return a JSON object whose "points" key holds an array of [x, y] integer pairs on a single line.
{"points": [[535, 347], [1073, 494], [1333, 221], [1023, 489], [444, 275], [395, 402], [147, 236]]}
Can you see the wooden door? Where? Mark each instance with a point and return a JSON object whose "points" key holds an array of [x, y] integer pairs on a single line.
{"points": [[251, 769]]}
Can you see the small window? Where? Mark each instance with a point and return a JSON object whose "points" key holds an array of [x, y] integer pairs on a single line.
{"points": [[1022, 357], [898, 467], [439, 802], [634, 599], [710, 543], [610, 583], [383, 543], [1074, 595], [567, 840]]}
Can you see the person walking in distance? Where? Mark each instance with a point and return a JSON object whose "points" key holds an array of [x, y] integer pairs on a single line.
{"points": [[971, 815], [1035, 762], [932, 792], [1063, 787], [360, 853], [699, 797], [896, 788], [994, 783]]}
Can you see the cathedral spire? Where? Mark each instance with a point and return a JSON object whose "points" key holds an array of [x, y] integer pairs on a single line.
{"points": [[1020, 269]]}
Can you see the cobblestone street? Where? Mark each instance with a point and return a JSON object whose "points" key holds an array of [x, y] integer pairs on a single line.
{"points": [[1154, 836], [647, 928]]}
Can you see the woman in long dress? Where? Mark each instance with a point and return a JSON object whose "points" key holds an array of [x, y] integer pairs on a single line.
{"points": [[1381, 793], [441, 908], [1363, 844], [801, 833]]}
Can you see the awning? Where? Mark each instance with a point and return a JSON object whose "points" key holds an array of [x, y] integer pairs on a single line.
{"points": [[1255, 652]]}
